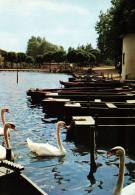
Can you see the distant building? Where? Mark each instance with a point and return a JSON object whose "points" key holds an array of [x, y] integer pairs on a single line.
{"points": [[128, 57]]}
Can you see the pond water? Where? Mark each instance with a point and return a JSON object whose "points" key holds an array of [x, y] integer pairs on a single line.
{"points": [[55, 175]]}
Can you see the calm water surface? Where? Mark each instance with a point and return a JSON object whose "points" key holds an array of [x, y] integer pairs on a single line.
{"points": [[58, 175]]}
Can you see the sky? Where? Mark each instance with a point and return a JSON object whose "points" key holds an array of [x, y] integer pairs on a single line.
{"points": [[67, 23]]}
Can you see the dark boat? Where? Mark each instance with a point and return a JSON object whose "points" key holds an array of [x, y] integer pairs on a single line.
{"points": [[71, 110], [52, 104], [13, 182], [93, 83]]}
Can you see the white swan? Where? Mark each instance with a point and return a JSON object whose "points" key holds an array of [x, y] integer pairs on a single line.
{"points": [[118, 189], [3, 110], [3, 151], [42, 149]]}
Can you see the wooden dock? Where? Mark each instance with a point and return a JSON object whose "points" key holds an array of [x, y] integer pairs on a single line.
{"points": [[12, 181], [88, 96]]}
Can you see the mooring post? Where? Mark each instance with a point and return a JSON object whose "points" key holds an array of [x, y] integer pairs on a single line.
{"points": [[8, 154], [17, 73], [112, 76], [92, 148], [93, 165]]}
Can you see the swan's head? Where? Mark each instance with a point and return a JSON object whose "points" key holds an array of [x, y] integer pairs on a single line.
{"points": [[61, 124], [5, 110], [118, 150], [10, 125]]}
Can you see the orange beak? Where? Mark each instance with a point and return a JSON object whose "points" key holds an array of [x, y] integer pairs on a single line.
{"points": [[111, 154], [68, 127], [15, 128]]}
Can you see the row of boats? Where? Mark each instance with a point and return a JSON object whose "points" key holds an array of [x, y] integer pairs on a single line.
{"points": [[110, 102]]}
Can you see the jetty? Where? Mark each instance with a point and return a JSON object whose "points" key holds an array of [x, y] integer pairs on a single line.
{"points": [[12, 181], [88, 95]]}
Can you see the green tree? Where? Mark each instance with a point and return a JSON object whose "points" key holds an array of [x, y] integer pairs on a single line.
{"points": [[1, 60], [39, 59], [70, 49], [105, 39], [21, 57], [92, 59], [59, 56], [33, 48], [118, 20], [48, 57], [12, 57], [72, 56], [81, 57], [88, 48], [61, 48], [4, 54], [30, 60], [39, 46]]}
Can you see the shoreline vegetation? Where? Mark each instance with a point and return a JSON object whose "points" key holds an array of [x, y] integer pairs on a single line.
{"points": [[107, 71]]}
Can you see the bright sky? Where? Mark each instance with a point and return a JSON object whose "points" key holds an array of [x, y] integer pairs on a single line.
{"points": [[66, 23]]}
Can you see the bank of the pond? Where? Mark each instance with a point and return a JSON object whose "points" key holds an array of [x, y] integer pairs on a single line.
{"points": [[106, 70]]}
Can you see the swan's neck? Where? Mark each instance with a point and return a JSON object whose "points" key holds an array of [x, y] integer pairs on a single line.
{"points": [[119, 184], [6, 137], [58, 138], [3, 118]]}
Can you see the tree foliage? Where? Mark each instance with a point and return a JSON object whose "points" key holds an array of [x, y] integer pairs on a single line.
{"points": [[83, 55], [30, 60], [1, 60], [4, 54], [48, 57], [38, 46], [39, 59], [112, 25], [21, 57], [59, 56], [12, 57], [40, 51]]}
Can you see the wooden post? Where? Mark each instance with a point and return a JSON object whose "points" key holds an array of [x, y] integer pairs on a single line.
{"points": [[17, 73], [112, 76], [93, 148], [8, 154], [93, 165]]}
